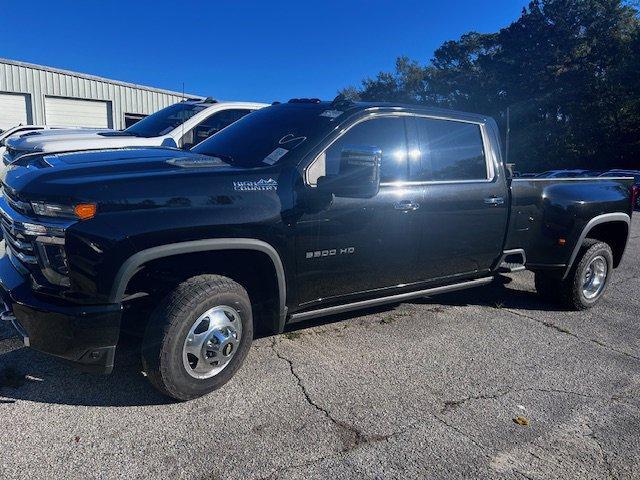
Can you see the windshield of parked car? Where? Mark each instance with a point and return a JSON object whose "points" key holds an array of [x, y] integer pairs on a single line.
{"points": [[165, 120], [267, 136]]}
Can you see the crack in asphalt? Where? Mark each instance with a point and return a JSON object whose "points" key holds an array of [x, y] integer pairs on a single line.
{"points": [[603, 453], [524, 475], [542, 322], [451, 405], [485, 450], [564, 331], [352, 437], [613, 349]]}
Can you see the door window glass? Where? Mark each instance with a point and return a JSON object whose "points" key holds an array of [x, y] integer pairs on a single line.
{"points": [[387, 134], [449, 150]]}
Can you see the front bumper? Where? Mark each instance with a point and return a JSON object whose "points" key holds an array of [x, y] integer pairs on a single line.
{"points": [[85, 335]]}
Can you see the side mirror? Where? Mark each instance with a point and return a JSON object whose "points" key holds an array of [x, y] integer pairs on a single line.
{"points": [[169, 142], [359, 175]]}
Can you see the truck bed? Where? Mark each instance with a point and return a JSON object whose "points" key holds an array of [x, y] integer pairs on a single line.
{"points": [[549, 216]]}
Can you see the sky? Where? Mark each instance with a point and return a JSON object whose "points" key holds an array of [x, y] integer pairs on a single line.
{"points": [[240, 50]]}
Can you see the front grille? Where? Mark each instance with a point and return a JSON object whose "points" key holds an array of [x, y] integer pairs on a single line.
{"points": [[10, 155], [19, 244], [14, 202]]}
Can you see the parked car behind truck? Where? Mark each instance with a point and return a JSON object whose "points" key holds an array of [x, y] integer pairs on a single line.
{"points": [[296, 211], [182, 125], [635, 174], [21, 130]]}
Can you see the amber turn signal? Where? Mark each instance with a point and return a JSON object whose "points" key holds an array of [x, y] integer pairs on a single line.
{"points": [[85, 211]]}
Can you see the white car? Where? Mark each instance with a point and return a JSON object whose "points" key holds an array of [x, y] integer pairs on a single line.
{"points": [[21, 129], [181, 125]]}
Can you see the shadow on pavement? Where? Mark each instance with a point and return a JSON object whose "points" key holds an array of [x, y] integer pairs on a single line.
{"points": [[29, 375], [496, 294]]}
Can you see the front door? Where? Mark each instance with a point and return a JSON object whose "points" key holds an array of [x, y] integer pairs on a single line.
{"points": [[348, 247]]}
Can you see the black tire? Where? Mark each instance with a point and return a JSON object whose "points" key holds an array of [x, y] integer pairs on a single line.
{"points": [[171, 321], [571, 291]]}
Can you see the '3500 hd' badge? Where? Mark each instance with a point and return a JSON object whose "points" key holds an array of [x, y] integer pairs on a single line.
{"points": [[332, 252], [258, 185]]}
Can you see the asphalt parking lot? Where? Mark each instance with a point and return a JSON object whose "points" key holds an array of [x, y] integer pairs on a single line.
{"points": [[428, 389]]}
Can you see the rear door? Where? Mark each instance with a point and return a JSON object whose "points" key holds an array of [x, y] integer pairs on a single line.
{"points": [[464, 213]]}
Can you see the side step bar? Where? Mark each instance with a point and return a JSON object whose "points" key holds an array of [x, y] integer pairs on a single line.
{"points": [[322, 312], [512, 261]]}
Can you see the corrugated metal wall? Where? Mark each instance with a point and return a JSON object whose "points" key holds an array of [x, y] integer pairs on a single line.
{"points": [[40, 82]]}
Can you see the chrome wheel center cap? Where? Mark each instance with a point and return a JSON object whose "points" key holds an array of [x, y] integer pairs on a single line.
{"points": [[212, 342]]}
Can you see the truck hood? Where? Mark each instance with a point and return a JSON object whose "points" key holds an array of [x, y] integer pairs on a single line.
{"points": [[90, 175], [68, 140]]}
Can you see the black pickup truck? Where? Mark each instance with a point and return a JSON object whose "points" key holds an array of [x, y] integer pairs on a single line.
{"points": [[296, 211]]}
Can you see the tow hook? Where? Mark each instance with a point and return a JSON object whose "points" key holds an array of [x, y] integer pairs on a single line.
{"points": [[7, 316]]}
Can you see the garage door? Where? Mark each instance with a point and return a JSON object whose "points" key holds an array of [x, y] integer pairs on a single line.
{"points": [[14, 110], [72, 112]]}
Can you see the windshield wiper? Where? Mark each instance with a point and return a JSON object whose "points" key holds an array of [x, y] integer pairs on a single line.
{"points": [[228, 159], [118, 133]]}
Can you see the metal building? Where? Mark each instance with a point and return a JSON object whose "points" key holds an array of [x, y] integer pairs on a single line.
{"points": [[34, 94]]}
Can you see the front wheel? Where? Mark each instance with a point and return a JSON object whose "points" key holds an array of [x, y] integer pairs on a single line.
{"points": [[198, 337], [586, 281]]}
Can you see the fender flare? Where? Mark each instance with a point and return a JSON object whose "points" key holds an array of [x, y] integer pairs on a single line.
{"points": [[132, 265], [600, 219]]}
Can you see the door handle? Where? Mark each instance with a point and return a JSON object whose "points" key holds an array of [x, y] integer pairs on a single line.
{"points": [[406, 206], [494, 201]]}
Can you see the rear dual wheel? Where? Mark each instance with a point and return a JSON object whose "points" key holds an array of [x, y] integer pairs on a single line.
{"points": [[198, 337], [586, 281]]}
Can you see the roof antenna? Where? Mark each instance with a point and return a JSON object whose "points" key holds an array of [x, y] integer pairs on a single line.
{"points": [[181, 143]]}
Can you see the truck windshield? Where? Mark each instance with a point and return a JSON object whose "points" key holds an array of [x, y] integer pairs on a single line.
{"points": [[165, 120], [267, 135]]}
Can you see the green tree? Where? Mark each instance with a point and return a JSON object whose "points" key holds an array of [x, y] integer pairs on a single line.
{"points": [[568, 71]]}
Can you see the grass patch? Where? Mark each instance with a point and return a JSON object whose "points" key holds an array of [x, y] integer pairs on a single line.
{"points": [[292, 335]]}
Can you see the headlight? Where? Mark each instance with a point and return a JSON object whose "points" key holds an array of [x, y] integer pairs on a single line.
{"points": [[53, 260], [82, 211]]}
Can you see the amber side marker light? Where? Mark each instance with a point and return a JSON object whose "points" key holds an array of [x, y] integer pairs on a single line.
{"points": [[562, 241], [85, 211]]}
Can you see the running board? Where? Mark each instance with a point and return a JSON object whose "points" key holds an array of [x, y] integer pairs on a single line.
{"points": [[321, 312]]}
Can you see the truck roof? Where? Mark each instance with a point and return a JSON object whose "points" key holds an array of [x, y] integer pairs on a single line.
{"points": [[350, 106]]}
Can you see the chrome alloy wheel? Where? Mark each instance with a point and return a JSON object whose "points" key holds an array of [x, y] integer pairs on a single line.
{"points": [[212, 341], [595, 276]]}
